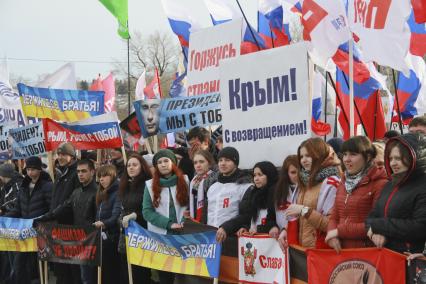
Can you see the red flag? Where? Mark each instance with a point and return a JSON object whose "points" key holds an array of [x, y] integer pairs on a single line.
{"points": [[108, 86], [97, 84], [370, 265], [153, 90], [419, 8]]}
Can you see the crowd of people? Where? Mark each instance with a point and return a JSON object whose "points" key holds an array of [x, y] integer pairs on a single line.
{"points": [[336, 194]]}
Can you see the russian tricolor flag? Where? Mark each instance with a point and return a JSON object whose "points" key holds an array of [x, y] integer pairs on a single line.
{"points": [[418, 36], [318, 127], [270, 23]]}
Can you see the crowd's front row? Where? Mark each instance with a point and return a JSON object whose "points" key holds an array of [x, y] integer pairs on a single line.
{"points": [[314, 201]]}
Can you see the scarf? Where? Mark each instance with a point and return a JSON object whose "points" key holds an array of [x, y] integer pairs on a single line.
{"points": [[197, 199], [168, 182], [351, 181], [230, 179], [320, 176]]}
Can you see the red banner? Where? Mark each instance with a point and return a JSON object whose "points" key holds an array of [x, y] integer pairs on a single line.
{"points": [[366, 266]]}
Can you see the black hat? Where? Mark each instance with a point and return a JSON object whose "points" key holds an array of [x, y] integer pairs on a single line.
{"points": [[336, 144], [7, 170], [33, 163], [230, 153]]}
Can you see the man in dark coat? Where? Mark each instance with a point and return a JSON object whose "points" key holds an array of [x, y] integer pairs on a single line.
{"points": [[11, 181], [33, 201]]}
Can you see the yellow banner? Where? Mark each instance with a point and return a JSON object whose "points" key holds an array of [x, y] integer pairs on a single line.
{"points": [[28, 245]]}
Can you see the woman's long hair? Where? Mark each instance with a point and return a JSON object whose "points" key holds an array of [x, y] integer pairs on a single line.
{"points": [[182, 190], [282, 187], [102, 193], [138, 182], [319, 151]]}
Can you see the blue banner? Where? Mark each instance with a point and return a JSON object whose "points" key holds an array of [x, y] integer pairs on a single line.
{"points": [[27, 141], [17, 235], [4, 143], [194, 254], [60, 105], [177, 114]]}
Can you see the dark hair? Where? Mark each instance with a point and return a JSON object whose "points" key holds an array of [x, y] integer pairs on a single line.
{"points": [[207, 155], [87, 162], [406, 156], [198, 132], [138, 182], [319, 151], [268, 169], [391, 133], [418, 121], [282, 187], [361, 145], [219, 139], [105, 170]]}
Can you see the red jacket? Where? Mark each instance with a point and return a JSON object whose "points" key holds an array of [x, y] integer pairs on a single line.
{"points": [[351, 210]]}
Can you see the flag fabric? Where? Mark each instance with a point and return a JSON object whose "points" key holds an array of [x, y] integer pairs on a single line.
{"points": [[4, 73], [140, 86], [180, 21], [367, 101], [153, 90], [341, 59], [382, 30], [370, 265], [119, 9], [177, 88], [17, 235], [325, 27], [106, 85], [318, 127], [63, 78], [411, 92], [418, 36], [270, 23], [419, 8], [222, 11], [130, 125]]}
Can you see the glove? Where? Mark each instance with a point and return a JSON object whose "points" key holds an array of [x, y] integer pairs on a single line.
{"points": [[127, 218]]}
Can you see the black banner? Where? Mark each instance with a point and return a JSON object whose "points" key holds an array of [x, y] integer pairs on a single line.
{"points": [[131, 125], [69, 244], [416, 272]]}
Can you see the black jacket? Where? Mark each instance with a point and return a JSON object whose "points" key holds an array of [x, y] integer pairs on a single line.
{"points": [[109, 211], [9, 193], [64, 185], [36, 203], [79, 207], [131, 201], [400, 212]]}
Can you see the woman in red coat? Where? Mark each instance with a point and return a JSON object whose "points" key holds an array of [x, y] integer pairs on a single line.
{"points": [[356, 195]]}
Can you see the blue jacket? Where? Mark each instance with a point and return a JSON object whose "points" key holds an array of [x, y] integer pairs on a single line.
{"points": [[108, 212]]}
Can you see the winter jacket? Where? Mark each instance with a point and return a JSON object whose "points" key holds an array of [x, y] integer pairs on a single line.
{"points": [[108, 212], [65, 183], [320, 200], [9, 193], [79, 207], [228, 201], [260, 202], [131, 201], [400, 211], [351, 209], [31, 204]]}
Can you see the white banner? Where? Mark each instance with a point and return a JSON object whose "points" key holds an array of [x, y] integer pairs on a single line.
{"points": [[261, 260], [207, 47], [265, 104], [11, 113]]}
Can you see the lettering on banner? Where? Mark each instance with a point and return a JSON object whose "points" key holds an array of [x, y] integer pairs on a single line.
{"points": [[204, 88], [210, 57], [244, 95], [313, 14], [372, 14], [226, 202]]}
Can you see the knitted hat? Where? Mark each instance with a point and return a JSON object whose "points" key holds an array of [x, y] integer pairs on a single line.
{"points": [[66, 148], [33, 163], [336, 144], [163, 153], [230, 153], [7, 170]]}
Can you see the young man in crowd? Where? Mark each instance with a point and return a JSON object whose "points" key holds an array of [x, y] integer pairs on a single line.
{"points": [[418, 124], [199, 138], [224, 196], [11, 181], [33, 201]]}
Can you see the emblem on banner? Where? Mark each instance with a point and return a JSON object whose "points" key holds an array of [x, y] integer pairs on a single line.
{"points": [[249, 256], [346, 271]]}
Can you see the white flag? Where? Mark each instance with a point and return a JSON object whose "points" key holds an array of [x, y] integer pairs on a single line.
{"points": [[382, 29], [4, 73], [140, 85], [63, 78]]}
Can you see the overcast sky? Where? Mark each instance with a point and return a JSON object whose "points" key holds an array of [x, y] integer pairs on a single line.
{"points": [[79, 30]]}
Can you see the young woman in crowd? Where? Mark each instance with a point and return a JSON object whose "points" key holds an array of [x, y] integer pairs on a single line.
{"points": [[356, 195], [131, 191], [379, 160], [205, 175], [259, 198], [108, 211], [165, 199], [285, 193], [318, 181], [398, 220]]}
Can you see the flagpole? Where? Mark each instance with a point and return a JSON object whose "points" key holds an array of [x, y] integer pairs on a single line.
{"points": [[351, 88], [338, 98], [397, 102], [375, 116], [325, 105], [128, 71], [248, 25]]}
